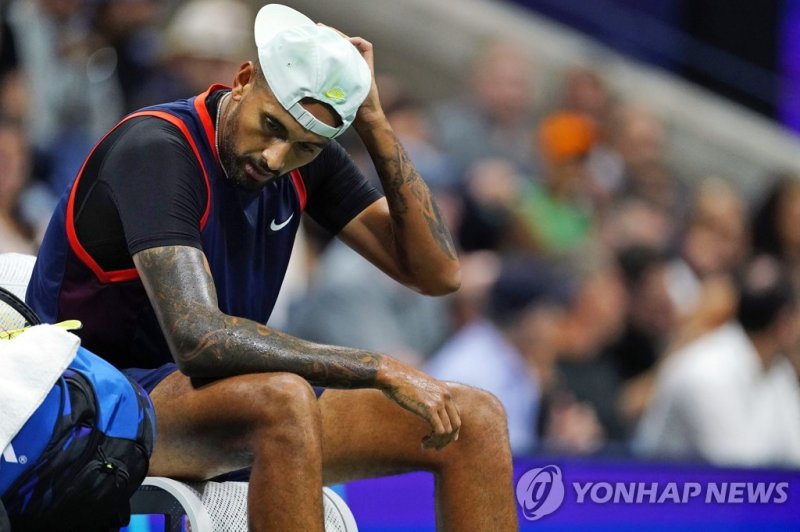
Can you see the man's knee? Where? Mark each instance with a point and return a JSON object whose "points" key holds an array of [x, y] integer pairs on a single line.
{"points": [[482, 414], [285, 398]]}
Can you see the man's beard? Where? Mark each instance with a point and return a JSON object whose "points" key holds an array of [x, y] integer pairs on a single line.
{"points": [[233, 165], [234, 168]]}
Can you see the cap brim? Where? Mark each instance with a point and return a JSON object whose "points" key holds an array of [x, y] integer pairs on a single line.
{"points": [[274, 18]]}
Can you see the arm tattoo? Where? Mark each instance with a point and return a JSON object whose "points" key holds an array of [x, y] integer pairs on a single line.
{"points": [[207, 343], [397, 171]]}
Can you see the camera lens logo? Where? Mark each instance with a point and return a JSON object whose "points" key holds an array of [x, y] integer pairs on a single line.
{"points": [[540, 492]]}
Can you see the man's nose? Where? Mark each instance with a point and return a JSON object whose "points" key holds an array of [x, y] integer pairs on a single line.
{"points": [[275, 155]]}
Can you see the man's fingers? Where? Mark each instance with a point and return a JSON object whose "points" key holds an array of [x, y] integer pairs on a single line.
{"points": [[455, 418], [447, 424], [362, 44], [436, 423]]}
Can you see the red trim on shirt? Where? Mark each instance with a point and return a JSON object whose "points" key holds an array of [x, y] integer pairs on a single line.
{"points": [[205, 117], [129, 274], [299, 186]]}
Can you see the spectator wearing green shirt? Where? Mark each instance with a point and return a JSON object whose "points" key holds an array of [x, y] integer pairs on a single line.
{"points": [[557, 210]]}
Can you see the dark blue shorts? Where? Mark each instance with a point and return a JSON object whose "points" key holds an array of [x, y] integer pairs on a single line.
{"points": [[149, 378]]}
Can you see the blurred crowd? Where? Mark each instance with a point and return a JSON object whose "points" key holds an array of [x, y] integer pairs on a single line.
{"points": [[614, 306]]}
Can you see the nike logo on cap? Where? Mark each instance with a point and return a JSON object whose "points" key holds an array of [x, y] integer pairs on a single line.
{"points": [[278, 227]]}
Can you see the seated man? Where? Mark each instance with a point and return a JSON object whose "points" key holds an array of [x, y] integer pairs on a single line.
{"points": [[171, 247], [731, 396]]}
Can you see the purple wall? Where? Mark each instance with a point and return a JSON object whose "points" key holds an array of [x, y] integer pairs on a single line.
{"points": [[404, 503]]}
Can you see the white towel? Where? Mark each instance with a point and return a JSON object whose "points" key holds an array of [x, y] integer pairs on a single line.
{"points": [[30, 364]]}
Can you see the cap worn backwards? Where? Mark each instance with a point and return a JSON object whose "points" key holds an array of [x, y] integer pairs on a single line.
{"points": [[303, 60]]}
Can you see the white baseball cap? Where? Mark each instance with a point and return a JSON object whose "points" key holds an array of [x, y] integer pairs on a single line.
{"points": [[303, 60]]}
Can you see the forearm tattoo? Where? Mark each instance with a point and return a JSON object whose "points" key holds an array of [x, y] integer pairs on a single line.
{"points": [[216, 345], [398, 172]]}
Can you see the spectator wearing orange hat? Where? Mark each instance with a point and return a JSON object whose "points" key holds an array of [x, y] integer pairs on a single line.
{"points": [[557, 210]]}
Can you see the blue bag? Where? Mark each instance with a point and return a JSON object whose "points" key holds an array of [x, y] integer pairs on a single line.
{"points": [[76, 462]]}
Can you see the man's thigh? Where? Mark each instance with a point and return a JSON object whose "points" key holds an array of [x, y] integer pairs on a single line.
{"points": [[204, 430], [366, 434]]}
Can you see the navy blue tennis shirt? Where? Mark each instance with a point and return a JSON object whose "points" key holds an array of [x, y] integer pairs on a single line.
{"points": [[155, 180]]}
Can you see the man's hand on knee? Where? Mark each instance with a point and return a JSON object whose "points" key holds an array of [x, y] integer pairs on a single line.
{"points": [[424, 396]]}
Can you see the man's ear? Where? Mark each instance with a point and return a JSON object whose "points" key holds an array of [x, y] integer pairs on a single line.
{"points": [[244, 79]]}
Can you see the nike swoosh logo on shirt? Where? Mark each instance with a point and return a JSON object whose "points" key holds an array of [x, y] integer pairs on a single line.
{"points": [[278, 227]]}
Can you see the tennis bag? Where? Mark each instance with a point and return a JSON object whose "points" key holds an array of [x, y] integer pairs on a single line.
{"points": [[86, 448]]}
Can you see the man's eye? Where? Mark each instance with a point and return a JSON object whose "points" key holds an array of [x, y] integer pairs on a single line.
{"points": [[270, 124], [308, 148]]}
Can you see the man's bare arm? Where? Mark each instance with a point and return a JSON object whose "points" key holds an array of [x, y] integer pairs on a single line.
{"points": [[405, 233], [207, 343]]}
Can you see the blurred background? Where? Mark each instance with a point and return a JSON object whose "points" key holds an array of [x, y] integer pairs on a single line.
{"points": [[621, 178]]}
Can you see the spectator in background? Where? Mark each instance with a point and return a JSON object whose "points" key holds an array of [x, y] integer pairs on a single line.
{"points": [[133, 29], [13, 97], [493, 115], [554, 214], [731, 397], [650, 323], [776, 225], [204, 41], [632, 221], [717, 237], [651, 317], [638, 137], [27, 200], [776, 231], [479, 271], [71, 82], [557, 210], [589, 383], [713, 245], [512, 351], [16, 233], [492, 187], [584, 91]]}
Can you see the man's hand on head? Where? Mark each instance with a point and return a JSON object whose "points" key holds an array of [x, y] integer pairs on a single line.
{"points": [[371, 112]]}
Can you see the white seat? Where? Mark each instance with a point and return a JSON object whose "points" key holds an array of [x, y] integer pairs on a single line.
{"points": [[173, 500], [219, 506]]}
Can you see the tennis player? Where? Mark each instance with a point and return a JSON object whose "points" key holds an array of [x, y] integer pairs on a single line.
{"points": [[171, 247]]}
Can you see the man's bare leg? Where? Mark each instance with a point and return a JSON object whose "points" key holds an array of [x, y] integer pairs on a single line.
{"points": [[367, 435], [270, 421]]}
